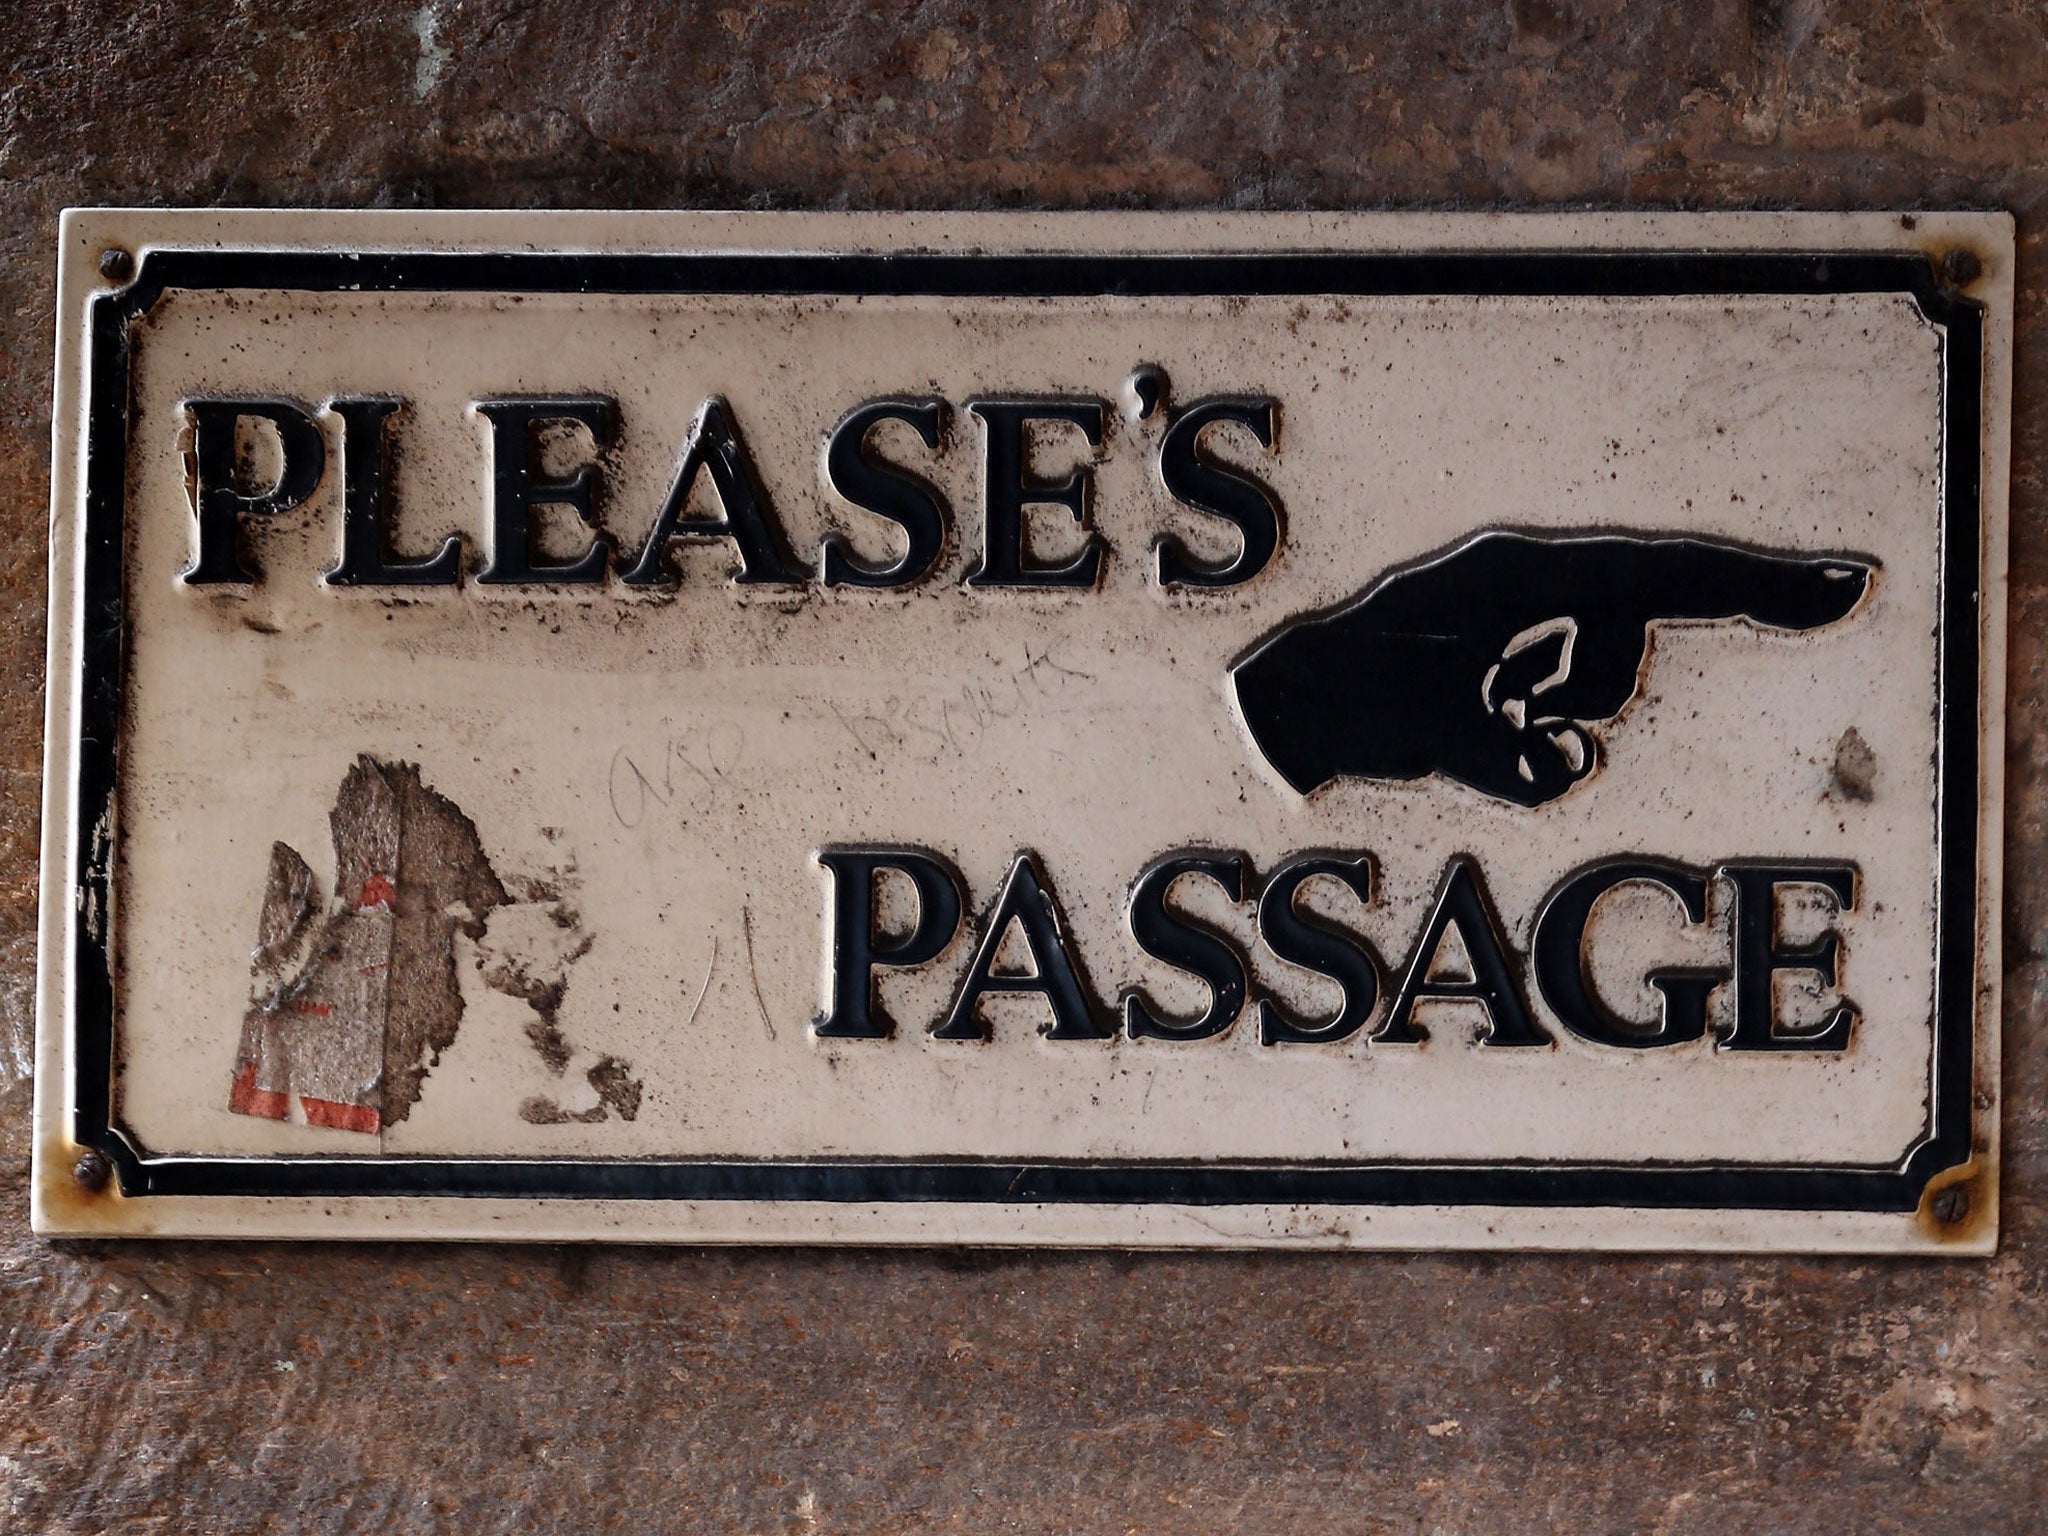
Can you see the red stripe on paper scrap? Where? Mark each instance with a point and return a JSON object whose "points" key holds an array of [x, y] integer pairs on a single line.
{"points": [[245, 1098], [340, 1116]]}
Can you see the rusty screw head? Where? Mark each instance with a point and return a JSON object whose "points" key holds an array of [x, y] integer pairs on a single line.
{"points": [[1960, 267], [1951, 1205], [116, 265], [91, 1172]]}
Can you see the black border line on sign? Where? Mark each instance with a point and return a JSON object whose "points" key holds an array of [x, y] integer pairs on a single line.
{"points": [[1943, 1144]]}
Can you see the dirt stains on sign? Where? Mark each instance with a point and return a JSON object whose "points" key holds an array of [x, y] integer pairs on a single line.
{"points": [[618, 1093], [351, 1010], [1855, 770]]}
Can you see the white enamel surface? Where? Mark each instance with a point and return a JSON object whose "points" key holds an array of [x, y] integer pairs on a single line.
{"points": [[672, 763]]}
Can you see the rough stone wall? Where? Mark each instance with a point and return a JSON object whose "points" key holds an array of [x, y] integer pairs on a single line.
{"points": [[230, 1388]]}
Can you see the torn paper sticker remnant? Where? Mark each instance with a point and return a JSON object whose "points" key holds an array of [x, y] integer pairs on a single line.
{"points": [[349, 1011]]}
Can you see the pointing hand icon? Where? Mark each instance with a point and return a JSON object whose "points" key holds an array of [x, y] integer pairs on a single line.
{"points": [[1489, 663]]}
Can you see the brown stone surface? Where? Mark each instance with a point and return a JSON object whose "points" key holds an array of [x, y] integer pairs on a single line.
{"points": [[227, 1388]]}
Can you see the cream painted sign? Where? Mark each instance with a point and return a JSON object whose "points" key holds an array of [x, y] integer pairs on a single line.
{"points": [[1374, 731]]}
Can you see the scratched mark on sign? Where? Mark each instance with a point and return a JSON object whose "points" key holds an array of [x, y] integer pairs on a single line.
{"points": [[955, 723], [640, 783], [351, 1010]]}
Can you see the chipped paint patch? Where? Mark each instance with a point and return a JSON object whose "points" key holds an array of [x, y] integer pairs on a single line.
{"points": [[433, 58], [527, 952]]}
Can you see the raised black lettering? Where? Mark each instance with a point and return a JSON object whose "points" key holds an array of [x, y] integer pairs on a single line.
{"points": [[1009, 487], [1196, 480], [1559, 953], [366, 558], [1318, 945], [1760, 955], [857, 947], [1188, 945], [887, 490], [1028, 901], [518, 487], [221, 498], [715, 446], [1462, 902]]}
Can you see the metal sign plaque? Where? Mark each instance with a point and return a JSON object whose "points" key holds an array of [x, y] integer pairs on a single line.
{"points": [[1281, 730]]}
